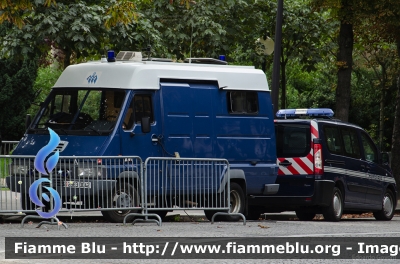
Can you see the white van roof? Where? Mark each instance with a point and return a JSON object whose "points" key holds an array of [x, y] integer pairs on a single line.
{"points": [[147, 75]]}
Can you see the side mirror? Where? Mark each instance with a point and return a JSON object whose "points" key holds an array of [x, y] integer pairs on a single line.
{"points": [[385, 158], [146, 124], [28, 121]]}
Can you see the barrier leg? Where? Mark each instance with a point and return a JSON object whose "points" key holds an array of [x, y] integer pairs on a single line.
{"points": [[53, 221]]}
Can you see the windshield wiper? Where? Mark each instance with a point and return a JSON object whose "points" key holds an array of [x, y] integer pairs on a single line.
{"points": [[91, 128]]}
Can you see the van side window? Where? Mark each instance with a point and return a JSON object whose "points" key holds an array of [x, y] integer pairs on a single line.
{"points": [[370, 151], [240, 102], [140, 106], [351, 143], [292, 140], [143, 107], [129, 118], [332, 139]]}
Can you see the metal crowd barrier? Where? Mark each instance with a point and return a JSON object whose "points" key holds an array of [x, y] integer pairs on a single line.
{"points": [[85, 183], [6, 148], [185, 184], [122, 188]]}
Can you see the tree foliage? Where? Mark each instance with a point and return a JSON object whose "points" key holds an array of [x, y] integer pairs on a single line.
{"points": [[68, 29], [16, 93]]}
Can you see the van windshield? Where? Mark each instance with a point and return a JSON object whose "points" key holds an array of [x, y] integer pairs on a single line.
{"points": [[80, 111]]}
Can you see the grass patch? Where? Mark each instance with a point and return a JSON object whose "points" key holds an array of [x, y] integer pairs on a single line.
{"points": [[4, 163]]}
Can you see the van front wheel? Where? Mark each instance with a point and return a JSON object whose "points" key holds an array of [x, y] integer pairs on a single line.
{"points": [[388, 207], [334, 211], [124, 196]]}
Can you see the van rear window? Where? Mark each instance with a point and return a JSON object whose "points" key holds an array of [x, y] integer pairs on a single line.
{"points": [[292, 140], [240, 102]]}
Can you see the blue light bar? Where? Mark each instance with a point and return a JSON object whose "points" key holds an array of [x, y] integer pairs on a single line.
{"points": [[305, 112], [110, 56]]}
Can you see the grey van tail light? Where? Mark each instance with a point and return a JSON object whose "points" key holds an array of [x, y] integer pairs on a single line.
{"points": [[318, 161]]}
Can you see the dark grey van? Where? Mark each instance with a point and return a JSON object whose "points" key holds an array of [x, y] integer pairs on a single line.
{"points": [[330, 167]]}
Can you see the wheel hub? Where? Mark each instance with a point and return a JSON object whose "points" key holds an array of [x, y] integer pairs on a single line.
{"points": [[123, 200], [387, 205], [234, 202], [337, 205]]}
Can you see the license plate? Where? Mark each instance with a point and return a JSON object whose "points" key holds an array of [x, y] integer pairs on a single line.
{"points": [[76, 184]]}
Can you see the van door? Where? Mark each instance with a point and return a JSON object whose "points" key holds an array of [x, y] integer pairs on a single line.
{"points": [[188, 128], [295, 174], [354, 167], [136, 143], [374, 173], [133, 141]]}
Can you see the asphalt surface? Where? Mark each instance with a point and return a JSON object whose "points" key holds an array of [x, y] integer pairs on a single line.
{"points": [[175, 216]]}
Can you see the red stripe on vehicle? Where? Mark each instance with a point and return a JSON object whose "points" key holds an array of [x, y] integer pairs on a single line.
{"points": [[314, 131], [292, 169], [310, 157], [304, 166]]}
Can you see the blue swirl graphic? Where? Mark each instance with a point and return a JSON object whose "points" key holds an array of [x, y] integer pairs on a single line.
{"points": [[45, 151], [35, 199], [50, 165]]}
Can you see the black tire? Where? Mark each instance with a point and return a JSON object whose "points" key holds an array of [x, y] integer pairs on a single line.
{"points": [[388, 207], [124, 195], [237, 205], [305, 215], [254, 212], [334, 211]]}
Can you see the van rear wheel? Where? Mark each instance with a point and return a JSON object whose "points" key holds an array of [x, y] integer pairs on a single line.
{"points": [[388, 207], [237, 205], [124, 196], [334, 211]]}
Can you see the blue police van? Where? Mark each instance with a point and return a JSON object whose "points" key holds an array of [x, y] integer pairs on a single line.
{"points": [[153, 109], [328, 166]]}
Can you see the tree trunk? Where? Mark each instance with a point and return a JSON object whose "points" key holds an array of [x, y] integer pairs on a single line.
{"points": [[67, 58], [382, 105], [283, 82], [345, 65], [395, 164], [381, 118]]}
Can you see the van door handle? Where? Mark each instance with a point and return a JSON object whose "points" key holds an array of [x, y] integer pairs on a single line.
{"points": [[285, 163]]}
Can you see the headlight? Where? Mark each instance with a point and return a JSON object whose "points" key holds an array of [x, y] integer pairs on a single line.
{"points": [[19, 169], [90, 172]]}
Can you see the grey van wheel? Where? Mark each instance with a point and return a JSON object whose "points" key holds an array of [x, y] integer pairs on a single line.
{"points": [[237, 204], [334, 211], [125, 195], [388, 207]]}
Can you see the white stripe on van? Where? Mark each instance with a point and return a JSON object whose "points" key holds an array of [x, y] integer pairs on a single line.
{"points": [[359, 174]]}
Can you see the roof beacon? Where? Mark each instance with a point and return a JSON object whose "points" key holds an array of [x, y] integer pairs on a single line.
{"points": [[283, 113], [110, 56]]}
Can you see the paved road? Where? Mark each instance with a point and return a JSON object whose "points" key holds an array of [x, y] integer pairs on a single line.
{"points": [[91, 224], [365, 227]]}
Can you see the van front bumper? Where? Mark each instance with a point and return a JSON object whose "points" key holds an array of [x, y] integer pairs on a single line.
{"points": [[65, 188], [323, 193]]}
